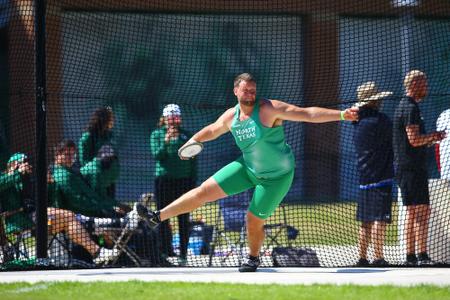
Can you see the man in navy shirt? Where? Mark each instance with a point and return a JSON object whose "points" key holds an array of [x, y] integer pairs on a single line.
{"points": [[373, 143], [410, 142]]}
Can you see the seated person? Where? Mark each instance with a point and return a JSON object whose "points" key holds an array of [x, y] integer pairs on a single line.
{"points": [[102, 172], [19, 214], [70, 190]]}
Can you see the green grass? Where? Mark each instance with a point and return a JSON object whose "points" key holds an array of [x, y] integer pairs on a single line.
{"points": [[332, 224], [197, 291]]}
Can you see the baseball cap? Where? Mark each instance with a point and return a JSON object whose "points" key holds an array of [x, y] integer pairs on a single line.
{"points": [[19, 157], [171, 110]]}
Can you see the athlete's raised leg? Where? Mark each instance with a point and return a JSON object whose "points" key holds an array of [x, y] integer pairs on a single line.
{"points": [[229, 180], [208, 191]]}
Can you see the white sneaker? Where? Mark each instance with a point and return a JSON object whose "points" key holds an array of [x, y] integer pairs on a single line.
{"points": [[106, 255]]}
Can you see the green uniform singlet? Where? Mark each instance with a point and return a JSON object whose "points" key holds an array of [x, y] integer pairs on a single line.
{"points": [[267, 164]]}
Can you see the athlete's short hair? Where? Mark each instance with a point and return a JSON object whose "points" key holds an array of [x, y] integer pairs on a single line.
{"points": [[244, 77]]}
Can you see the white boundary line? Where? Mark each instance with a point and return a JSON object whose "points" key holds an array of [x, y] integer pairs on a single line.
{"points": [[305, 276]]}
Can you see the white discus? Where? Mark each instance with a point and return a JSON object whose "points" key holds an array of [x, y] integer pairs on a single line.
{"points": [[190, 150]]}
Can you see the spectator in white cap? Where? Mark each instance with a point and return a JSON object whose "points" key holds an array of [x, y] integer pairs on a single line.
{"points": [[171, 110], [174, 176]]}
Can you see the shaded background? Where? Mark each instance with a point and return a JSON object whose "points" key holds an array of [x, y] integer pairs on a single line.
{"points": [[160, 63]]}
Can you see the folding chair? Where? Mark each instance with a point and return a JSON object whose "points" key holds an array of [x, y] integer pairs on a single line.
{"points": [[14, 241], [120, 238], [6, 251], [280, 234], [18, 243], [231, 219], [59, 250]]}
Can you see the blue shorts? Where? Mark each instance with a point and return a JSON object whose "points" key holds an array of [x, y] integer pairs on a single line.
{"points": [[375, 205]]}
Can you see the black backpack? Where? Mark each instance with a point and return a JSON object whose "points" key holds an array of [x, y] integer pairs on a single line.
{"points": [[294, 257]]}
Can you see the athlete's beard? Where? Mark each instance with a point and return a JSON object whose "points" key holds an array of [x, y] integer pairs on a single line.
{"points": [[248, 103]]}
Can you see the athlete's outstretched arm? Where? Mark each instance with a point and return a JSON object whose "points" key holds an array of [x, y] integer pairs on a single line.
{"points": [[216, 129], [285, 111]]}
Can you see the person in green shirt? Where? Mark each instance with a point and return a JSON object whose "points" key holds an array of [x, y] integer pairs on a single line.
{"points": [[266, 165], [19, 212], [174, 176], [72, 192], [102, 171], [15, 188], [97, 134]]}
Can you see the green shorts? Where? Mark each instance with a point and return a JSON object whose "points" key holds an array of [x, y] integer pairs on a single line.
{"points": [[235, 178]]}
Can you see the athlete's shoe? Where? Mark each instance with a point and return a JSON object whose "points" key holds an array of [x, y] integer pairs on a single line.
{"points": [[250, 265], [150, 217]]}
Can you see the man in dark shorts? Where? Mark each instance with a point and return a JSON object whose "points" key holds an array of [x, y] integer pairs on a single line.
{"points": [[373, 144], [410, 142]]}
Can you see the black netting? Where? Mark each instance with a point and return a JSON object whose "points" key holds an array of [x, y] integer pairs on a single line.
{"points": [[122, 62]]}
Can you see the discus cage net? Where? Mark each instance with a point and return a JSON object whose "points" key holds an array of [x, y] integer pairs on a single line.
{"points": [[63, 62]]}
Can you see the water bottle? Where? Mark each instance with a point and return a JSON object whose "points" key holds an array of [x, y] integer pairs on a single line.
{"points": [[195, 245], [196, 240], [176, 243]]}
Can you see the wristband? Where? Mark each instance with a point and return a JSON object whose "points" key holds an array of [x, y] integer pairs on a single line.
{"points": [[342, 115]]}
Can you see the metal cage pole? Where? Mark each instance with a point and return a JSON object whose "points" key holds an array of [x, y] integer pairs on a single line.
{"points": [[41, 129]]}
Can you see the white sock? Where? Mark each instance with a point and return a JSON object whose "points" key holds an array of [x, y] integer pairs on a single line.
{"points": [[100, 221], [106, 221]]}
